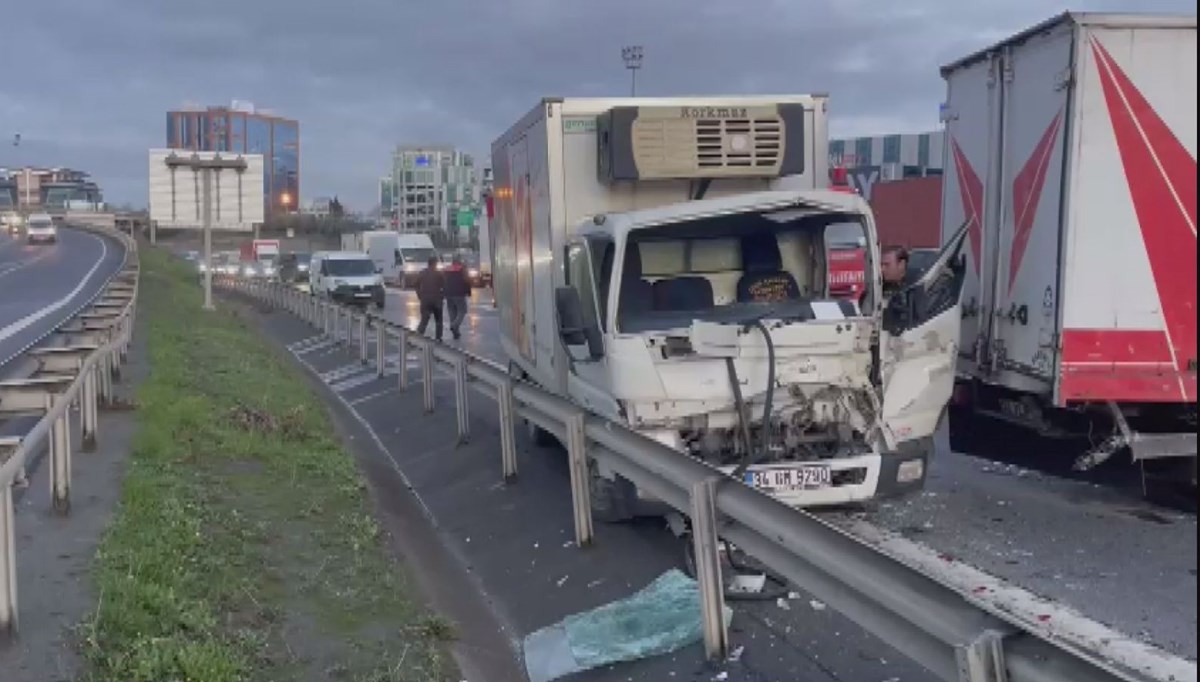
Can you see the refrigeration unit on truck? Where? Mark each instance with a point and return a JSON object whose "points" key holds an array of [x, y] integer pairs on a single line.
{"points": [[1071, 153], [649, 267]]}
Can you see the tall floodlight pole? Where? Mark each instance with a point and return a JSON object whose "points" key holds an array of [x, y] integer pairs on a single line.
{"points": [[632, 56], [206, 168]]}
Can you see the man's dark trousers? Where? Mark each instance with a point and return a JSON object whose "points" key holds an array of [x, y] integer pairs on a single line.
{"points": [[431, 310]]}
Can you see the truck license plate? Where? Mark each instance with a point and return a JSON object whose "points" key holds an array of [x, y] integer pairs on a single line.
{"points": [[797, 478]]}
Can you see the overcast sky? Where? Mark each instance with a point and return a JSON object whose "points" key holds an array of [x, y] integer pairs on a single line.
{"points": [[86, 83]]}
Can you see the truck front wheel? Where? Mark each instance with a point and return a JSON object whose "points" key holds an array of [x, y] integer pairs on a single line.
{"points": [[612, 501]]}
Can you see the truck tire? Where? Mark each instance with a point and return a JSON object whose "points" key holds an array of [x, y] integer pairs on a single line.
{"points": [[540, 437], [612, 501]]}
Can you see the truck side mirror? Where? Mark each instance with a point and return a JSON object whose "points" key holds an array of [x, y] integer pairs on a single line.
{"points": [[571, 326]]}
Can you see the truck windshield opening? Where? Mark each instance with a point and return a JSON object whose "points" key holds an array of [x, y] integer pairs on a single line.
{"points": [[737, 268]]}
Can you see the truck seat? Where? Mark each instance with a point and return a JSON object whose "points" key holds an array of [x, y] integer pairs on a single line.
{"points": [[764, 280], [683, 293]]}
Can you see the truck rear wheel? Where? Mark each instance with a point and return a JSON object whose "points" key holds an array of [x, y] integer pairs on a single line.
{"points": [[612, 501]]}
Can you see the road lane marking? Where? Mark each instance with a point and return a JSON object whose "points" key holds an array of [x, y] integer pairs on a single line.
{"points": [[372, 396], [381, 447], [24, 322], [13, 267], [354, 381]]}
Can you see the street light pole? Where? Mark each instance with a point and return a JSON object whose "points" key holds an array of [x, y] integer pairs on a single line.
{"points": [[206, 167], [632, 56], [207, 226]]}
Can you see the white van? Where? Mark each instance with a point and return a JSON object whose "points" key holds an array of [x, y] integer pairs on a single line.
{"points": [[41, 228], [413, 252], [346, 277]]}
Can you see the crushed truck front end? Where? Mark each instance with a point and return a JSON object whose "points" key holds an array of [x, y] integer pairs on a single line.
{"points": [[719, 334]]}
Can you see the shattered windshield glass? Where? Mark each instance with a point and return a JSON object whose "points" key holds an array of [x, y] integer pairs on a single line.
{"points": [[735, 269]]}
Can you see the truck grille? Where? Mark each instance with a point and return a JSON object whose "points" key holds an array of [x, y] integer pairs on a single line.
{"points": [[739, 143], [708, 147]]}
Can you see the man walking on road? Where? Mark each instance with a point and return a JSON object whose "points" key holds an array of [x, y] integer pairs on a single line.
{"points": [[431, 291], [458, 289]]}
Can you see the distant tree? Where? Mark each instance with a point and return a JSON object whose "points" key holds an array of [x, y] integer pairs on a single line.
{"points": [[336, 210]]}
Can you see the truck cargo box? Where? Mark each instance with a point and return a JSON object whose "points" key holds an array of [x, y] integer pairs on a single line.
{"points": [[1071, 148], [569, 159]]}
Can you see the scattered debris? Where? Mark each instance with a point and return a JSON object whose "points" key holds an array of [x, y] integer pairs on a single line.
{"points": [[816, 605], [747, 584], [562, 580], [736, 654], [783, 604], [721, 676]]}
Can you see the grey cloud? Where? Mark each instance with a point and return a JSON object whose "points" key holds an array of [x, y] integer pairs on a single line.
{"points": [[363, 75]]}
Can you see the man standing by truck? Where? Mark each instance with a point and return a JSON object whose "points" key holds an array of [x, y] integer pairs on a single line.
{"points": [[431, 292], [457, 291]]}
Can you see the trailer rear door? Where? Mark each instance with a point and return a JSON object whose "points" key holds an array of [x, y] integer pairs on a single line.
{"points": [[1036, 92], [972, 116], [1129, 300]]}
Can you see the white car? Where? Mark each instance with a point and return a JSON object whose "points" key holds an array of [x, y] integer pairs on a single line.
{"points": [[346, 276], [40, 228]]}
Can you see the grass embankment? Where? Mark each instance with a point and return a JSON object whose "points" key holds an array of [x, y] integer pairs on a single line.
{"points": [[244, 546]]}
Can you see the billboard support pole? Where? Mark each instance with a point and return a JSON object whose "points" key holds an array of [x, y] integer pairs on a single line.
{"points": [[208, 302], [207, 167]]}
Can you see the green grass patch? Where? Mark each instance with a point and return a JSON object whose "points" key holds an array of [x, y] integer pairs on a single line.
{"points": [[244, 547]]}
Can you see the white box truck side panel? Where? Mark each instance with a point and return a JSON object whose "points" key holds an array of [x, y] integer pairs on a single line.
{"points": [[1024, 336], [972, 113], [513, 225], [1129, 299], [543, 144]]}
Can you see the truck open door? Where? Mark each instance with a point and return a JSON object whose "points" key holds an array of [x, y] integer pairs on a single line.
{"points": [[918, 347]]}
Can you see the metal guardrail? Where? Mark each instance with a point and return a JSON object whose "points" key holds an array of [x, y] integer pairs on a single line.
{"points": [[959, 623], [80, 374]]}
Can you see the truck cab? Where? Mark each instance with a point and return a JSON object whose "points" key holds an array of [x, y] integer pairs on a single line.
{"points": [[666, 264], [712, 327]]}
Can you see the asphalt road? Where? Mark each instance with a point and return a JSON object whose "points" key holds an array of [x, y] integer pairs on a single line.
{"points": [[42, 285], [1101, 550]]}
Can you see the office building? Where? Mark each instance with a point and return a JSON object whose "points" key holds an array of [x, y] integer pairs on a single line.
{"points": [[47, 189], [883, 158], [431, 187], [241, 128]]}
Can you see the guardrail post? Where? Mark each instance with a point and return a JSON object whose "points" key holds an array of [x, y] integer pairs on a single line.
{"points": [[577, 460], [363, 324], [8, 564], [708, 569], [402, 360], [60, 459], [324, 318], [380, 347], [427, 374], [89, 416], [982, 660], [105, 368], [508, 441], [462, 401]]}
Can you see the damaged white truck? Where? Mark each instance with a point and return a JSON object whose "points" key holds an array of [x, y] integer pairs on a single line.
{"points": [[662, 262]]}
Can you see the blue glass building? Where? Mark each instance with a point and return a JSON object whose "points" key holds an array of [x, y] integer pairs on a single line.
{"points": [[241, 129]]}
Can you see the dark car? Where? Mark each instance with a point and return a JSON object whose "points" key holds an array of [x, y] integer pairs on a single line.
{"points": [[293, 267]]}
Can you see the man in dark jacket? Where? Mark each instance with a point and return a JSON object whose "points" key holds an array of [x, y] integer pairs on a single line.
{"points": [[458, 289], [431, 291]]}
